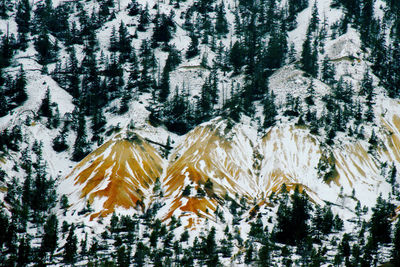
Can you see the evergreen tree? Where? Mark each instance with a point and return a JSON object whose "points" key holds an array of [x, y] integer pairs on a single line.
{"points": [[46, 50], [163, 29], [24, 251], [140, 254], [19, 90], [81, 144], [270, 110], [60, 141], [22, 18], [113, 41], [124, 42], [328, 72], [134, 8], [221, 24], [236, 57], [193, 49], [6, 51], [309, 56], [366, 17], [277, 47], [98, 123], [3, 103], [5, 7], [309, 99], [70, 247], [380, 221], [164, 86], [45, 107], [50, 238], [144, 19], [396, 245], [313, 26]]}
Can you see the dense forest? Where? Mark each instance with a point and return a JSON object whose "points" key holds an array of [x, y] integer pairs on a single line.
{"points": [[239, 44]]}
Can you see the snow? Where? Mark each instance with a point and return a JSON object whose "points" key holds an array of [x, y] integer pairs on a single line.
{"points": [[290, 154]]}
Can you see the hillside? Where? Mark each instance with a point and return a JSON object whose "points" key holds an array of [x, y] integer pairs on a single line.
{"points": [[197, 132]]}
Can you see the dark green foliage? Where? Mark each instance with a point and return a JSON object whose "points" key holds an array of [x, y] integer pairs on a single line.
{"points": [[140, 254], [277, 47], [70, 247], [328, 72], [43, 187], [50, 238], [380, 226], [270, 110], [5, 7], [208, 98], [144, 19], [81, 142], [45, 107], [309, 56], [24, 250], [46, 49], [22, 18], [193, 49], [236, 57], [396, 245], [6, 51], [163, 29], [186, 191], [134, 8], [60, 141], [176, 113], [221, 24], [293, 220]]}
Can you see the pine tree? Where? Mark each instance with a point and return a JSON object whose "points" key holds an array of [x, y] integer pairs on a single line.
{"points": [[134, 8], [309, 99], [144, 19], [124, 42], [140, 254], [277, 47], [113, 41], [45, 107], [60, 141], [193, 49], [24, 250], [164, 86], [3, 103], [328, 72], [22, 18], [313, 26], [396, 245], [270, 110], [6, 51], [81, 144], [236, 57], [50, 238], [380, 221], [5, 7], [367, 17], [46, 50], [221, 24], [71, 246], [98, 123], [20, 95], [163, 29]]}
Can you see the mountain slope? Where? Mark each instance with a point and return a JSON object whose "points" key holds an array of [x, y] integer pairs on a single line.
{"points": [[118, 174]]}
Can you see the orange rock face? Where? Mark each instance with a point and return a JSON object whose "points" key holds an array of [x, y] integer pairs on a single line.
{"points": [[217, 160], [120, 171]]}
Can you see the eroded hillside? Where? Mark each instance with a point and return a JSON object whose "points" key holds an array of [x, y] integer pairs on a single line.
{"points": [[219, 160]]}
